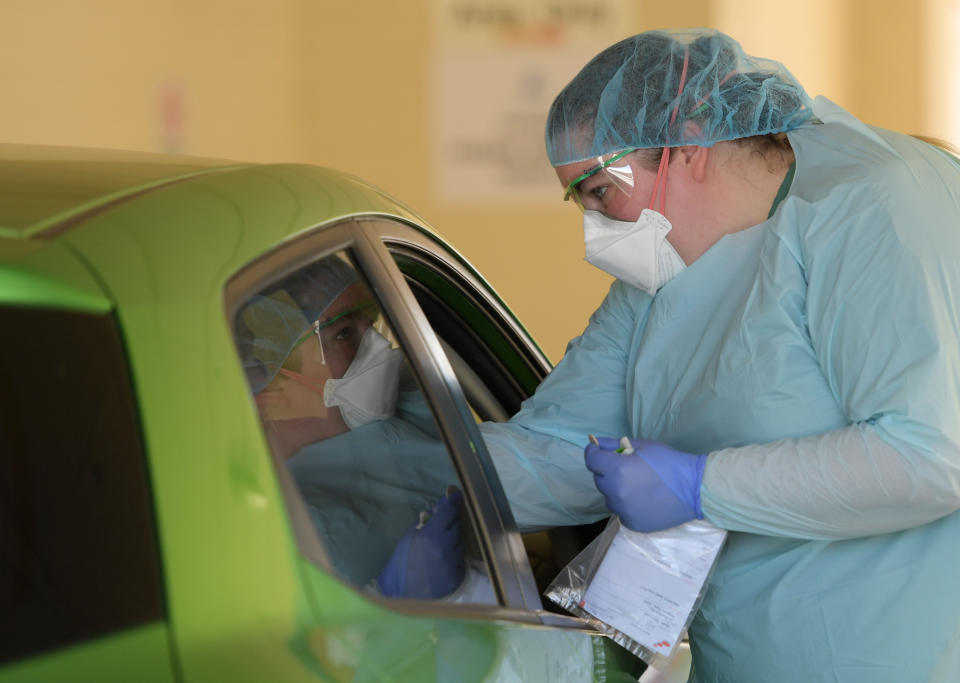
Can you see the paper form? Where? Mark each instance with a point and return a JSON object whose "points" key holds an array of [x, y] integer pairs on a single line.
{"points": [[647, 584]]}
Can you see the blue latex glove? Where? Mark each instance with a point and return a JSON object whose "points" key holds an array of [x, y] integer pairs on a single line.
{"points": [[427, 562], [654, 488]]}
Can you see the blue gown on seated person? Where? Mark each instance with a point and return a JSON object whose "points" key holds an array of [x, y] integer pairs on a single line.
{"points": [[363, 489]]}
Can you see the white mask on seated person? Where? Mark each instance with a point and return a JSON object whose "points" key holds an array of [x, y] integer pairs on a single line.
{"points": [[367, 392]]}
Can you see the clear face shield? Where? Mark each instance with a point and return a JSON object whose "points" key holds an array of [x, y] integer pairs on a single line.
{"points": [[609, 186], [605, 186], [339, 336]]}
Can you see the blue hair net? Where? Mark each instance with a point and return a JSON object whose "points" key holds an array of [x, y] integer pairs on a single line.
{"points": [[271, 323], [630, 95]]}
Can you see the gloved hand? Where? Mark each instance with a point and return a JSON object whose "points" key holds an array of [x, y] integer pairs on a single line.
{"points": [[654, 488], [427, 562]]}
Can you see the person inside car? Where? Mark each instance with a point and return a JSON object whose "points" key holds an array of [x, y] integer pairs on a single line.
{"points": [[347, 421]]}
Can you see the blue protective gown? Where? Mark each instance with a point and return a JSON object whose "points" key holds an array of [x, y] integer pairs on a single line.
{"points": [[365, 488], [815, 358]]}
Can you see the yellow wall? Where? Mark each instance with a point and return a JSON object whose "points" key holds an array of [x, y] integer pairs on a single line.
{"points": [[346, 84]]}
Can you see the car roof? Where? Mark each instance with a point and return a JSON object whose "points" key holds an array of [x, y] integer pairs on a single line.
{"points": [[49, 196], [42, 186]]}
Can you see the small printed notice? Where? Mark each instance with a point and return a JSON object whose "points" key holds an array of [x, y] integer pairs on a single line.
{"points": [[648, 585]]}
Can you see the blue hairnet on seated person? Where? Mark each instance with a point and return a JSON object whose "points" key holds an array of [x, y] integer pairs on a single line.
{"points": [[630, 96], [269, 326]]}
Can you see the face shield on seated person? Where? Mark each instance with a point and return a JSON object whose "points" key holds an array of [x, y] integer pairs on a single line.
{"points": [[313, 354]]}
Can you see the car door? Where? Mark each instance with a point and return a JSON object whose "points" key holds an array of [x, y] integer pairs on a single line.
{"points": [[352, 492]]}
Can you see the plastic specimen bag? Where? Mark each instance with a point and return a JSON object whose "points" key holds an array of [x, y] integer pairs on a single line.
{"points": [[642, 590]]}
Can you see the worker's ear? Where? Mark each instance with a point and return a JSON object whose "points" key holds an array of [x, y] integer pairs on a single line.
{"points": [[694, 156]]}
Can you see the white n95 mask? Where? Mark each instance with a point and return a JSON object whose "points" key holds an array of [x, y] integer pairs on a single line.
{"points": [[638, 253], [367, 392]]}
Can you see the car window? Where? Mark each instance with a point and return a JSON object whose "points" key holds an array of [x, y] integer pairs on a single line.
{"points": [[346, 419], [78, 552]]}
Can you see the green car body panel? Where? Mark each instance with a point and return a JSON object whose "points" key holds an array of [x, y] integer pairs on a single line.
{"points": [[152, 242]]}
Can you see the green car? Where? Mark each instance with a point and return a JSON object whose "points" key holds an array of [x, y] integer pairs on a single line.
{"points": [[153, 527]]}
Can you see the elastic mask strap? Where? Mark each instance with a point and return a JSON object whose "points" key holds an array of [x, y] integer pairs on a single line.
{"points": [[665, 157], [302, 379], [661, 179]]}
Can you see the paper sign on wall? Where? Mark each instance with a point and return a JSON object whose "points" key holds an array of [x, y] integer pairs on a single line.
{"points": [[496, 68]]}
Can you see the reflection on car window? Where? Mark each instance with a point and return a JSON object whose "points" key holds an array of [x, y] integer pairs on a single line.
{"points": [[341, 411]]}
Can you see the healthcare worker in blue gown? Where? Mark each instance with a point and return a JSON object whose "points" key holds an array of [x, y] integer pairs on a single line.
{"points": [[344, 417], [782, 345]]}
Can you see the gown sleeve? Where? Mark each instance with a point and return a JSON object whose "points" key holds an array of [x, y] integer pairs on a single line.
{"points": [[539, 452], [881, 258]]}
